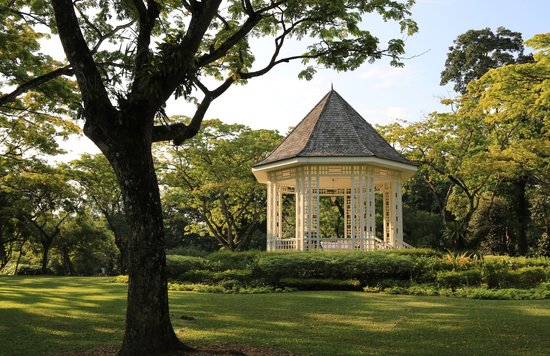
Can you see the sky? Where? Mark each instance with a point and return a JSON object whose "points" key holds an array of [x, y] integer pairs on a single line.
{"points": [[380, 93]]}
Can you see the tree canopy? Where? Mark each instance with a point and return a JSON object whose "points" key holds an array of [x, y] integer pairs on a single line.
{"points": [[211, 176], [489, 156], [477, 51]]}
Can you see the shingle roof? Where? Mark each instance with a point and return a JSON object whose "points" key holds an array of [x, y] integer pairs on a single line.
{"points": [[333, 129]]}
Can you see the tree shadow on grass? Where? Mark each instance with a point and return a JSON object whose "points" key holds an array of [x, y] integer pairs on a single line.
{"points": [[54, 315], [354, 323], [51, 315]]}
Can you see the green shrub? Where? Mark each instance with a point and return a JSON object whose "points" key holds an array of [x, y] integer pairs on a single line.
{"points": [[507, 294], [226, 260], [413, 252], [212, 277], [321, 284], [205, 288], [395, 290], [373, 267], [519, 262], [428, 290], [494, 273], [275, 266], [197, 276], [178, 265], [526, 277], [498, 274], [392, 283], [187, 251], [367, 267], [244, 275], [426, 268], [455, 279]]}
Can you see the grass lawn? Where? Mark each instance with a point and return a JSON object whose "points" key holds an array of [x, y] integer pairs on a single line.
{"points": [[45, 315]]}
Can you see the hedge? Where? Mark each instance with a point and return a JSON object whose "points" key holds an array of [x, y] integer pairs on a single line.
{"points": [[394, 270], [176, 265], [321, 284], [455, 279], [367, 267]]}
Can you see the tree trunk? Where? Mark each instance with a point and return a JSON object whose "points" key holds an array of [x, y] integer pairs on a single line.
{"points": [[45, 251], [19, 257], [148, 327], [522, 213]]}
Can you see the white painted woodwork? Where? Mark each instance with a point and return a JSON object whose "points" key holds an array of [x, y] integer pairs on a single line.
{"points": [[358, 184]]}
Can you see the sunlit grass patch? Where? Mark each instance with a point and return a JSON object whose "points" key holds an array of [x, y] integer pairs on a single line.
{"points": [[49, 315]]}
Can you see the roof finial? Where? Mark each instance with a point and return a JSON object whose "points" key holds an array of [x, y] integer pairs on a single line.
{"points": [[331, 86]]}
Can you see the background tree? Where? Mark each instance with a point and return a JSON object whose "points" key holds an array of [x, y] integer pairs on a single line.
{"points": [[85, 245], [476, 51], [34, 102], [170, 48], [514, 101], [451, 151], [490, 152], [12, 236], [99, 184], [45, 200], [211, 175]]}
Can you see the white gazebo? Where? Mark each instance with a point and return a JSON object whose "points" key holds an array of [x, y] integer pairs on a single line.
{"points": [[333, 156]]}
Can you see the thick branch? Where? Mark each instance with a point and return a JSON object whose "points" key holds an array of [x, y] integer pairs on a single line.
{"points": [[178, 69], [147, 17], [93, 91], [222, 50], [33, 83], [180, 132]]}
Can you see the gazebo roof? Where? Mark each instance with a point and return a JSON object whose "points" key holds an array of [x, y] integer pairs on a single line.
{"points": [[333, 129]]}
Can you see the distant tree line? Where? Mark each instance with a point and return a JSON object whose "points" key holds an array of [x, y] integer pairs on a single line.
{"points": [[484, 175]]}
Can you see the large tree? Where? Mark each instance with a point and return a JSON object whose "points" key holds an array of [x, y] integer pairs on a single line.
{"points": [[156, 49], [454, 166], [44, 201], [101, 192], [491, 153], [477, 51], [211, 175], [514, 102]]}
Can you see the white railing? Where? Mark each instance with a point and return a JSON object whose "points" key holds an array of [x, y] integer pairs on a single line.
{"points": [[382, 245], [336, 244], [339, 244], [285, 244]]}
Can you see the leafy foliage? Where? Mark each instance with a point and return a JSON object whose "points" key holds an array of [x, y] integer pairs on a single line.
{"points": [[96, 178], [209, 180], [477, 51], [489, 152]]}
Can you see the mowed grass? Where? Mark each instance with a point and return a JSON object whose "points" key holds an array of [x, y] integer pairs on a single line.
{"points": [[48, 315]]}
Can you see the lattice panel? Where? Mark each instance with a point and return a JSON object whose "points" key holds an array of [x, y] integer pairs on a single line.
{"points": [[311, 183]]}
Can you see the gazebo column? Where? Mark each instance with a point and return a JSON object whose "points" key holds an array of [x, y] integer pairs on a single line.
{"points": [[370, 224], [398, 213], [393, 211], [357, 213], [307, 209], [360, 221], [272, 214]]}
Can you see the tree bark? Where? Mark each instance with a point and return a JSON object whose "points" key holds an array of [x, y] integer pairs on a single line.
{"points": [[45, 252], [148, 327], [522, 213]]}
